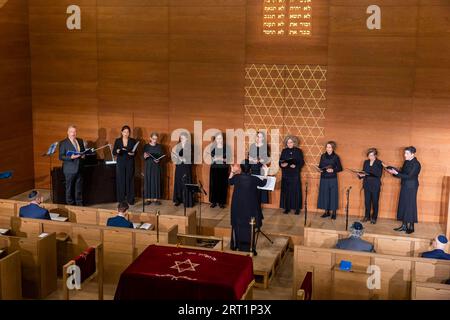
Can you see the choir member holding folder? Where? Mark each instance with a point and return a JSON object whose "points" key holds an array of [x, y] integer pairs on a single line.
{"points": [[71, 153], [291, 162], [218, 176], [407, 203], [371, 175], [153, 155], [259, 156], [125, 150], [182, 156], [329, 166]]}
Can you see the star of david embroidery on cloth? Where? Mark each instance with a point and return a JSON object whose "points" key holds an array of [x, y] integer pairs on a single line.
{"points": [[186, 265]]}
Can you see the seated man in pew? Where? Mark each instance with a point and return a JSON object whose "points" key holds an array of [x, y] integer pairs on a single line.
{"points": [[439, 244], [120, 220], [354, 242], [34, 209]]}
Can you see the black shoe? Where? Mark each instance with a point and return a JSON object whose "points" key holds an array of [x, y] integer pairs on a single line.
{"points": [[148, 202], [297, 212], [177, 203], [222, 206], [410, 228], [213, 205], [373, 221], [286, 211], [326, 214], [402, 228], [365, 219], [157, 203], [255, 253], [333, 216]]}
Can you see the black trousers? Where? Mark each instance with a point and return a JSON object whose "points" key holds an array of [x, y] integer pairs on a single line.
{"points": [[371, 199], [74, 186], [125, 182]]}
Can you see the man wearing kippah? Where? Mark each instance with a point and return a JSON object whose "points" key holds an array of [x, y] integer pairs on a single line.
{"points": [[439, 244], [354, 242], [34, 209]]}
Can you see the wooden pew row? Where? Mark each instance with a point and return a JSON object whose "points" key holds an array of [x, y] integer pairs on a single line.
{"points": [[396, 273], [384, 244], [120, 245], [10, 272], [86, 215], [37, 263]]}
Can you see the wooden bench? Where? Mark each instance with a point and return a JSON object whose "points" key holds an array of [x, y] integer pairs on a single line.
{"points": [[384, 244], [331, 283], [10, 272], [97, 273], [120, 245], [38, 263]]}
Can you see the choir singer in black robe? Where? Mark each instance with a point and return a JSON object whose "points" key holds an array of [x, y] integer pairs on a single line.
{"points": [[123, 150], [245, 205], [329, 166], [291, 163], [218, 175], [372, 172], [259, 156], [407, 203], [153, 156], [182, 156]]}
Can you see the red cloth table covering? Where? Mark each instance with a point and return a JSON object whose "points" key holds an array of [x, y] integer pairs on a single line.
{"points": [[168, 273]]}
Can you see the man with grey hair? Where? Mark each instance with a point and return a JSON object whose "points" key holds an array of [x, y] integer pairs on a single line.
{"points": [[70, 153], [354, 242], [34, 209]]}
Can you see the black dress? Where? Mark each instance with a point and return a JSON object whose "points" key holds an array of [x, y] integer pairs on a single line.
{"points": [[407, 204], [218, 176], [245, 204], [262, 152], [291, 186], [328, 189], [372, 186], [125, 170], [183, 175], [153, 171]]}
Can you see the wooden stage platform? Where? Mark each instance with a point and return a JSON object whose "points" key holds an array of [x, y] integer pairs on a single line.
{"points": [[285, 230], [216, 222]]}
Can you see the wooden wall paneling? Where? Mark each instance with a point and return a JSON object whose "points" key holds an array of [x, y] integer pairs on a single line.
{"points": [[16, 142], [64, 71]]}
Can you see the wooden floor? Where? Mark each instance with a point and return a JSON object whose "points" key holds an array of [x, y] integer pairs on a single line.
{"points": [[276, 224]]}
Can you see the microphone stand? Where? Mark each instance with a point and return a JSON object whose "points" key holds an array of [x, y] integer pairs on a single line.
{"points": [[347, 207], [306, 203], [143, 191], [51, 151]]}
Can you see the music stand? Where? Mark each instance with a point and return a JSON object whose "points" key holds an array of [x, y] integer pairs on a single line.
{"points": [[196, 188], [306, 203], [50, 152], [347, 207]]}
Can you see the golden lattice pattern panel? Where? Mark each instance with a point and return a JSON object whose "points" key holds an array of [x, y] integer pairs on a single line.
{"points": [[291, 98]]}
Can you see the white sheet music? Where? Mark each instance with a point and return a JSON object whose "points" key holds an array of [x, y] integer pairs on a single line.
{"points": [[270, 184]]}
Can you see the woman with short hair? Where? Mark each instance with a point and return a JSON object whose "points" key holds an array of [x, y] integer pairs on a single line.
{"points": [[291, 163], [329, 166], [371, 175], [407, 203]]}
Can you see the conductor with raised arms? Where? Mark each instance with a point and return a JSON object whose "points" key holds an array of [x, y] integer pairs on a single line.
{"points": [[71, 154]]}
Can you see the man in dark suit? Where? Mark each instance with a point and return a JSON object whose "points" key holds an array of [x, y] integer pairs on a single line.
{"points": [[439, 244], [120, 220], [72, 166], [34, 209], [354, 242]]}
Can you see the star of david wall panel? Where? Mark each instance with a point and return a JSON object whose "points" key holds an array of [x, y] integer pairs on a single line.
{"points": [[290, 98]]}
